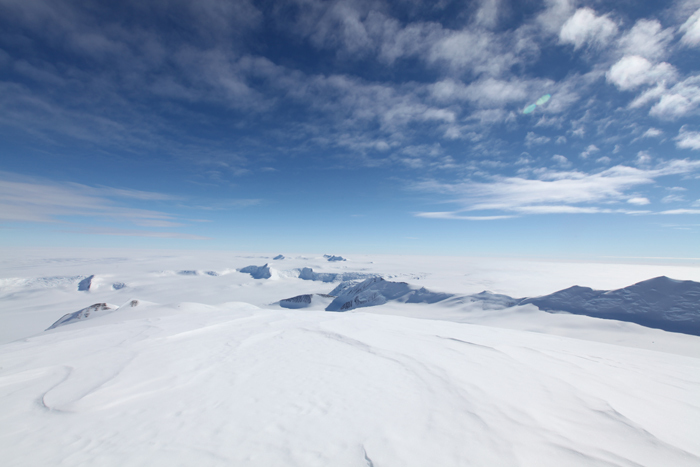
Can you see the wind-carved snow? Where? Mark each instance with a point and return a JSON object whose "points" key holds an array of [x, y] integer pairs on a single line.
{"points": [[189, 384], [662, 303], [118, 285], [377, 291]]}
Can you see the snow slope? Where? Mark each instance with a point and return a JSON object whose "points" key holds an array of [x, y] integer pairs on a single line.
{"points": [[189, 384]]}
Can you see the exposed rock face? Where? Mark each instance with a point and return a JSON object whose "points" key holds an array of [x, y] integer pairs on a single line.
{"points": [[278, 257], [305, 301], [259, 272], [334, 258], [85, 313], [85, 284]]}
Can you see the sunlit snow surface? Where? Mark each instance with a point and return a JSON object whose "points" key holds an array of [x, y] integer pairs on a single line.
{"points": [[208, 369]]}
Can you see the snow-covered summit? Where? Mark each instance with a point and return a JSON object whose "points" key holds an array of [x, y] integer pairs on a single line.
{"points": [[377, 291]]}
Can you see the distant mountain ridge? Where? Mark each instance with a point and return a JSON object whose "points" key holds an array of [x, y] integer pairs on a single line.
{"points": [[661, 302]]}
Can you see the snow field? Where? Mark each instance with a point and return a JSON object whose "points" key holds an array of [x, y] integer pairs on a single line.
{"points": [[190, 384], [209, 369]]}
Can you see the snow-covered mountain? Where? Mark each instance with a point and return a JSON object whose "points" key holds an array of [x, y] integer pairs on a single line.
{"points": [[662, 303], [377, 291]]}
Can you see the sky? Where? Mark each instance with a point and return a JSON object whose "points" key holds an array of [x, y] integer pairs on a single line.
{"points": [[552, 128]]}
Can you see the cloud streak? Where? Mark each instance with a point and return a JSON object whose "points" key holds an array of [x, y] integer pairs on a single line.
{"points": [[556, 192]]}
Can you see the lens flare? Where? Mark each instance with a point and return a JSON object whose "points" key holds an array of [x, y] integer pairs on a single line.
{"points": [[529, 108], [543, 99]]}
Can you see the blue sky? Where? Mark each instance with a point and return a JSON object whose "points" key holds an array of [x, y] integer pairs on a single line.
{"points": [[353, 126]]}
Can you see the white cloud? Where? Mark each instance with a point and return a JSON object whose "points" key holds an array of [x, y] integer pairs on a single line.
{"points": [[688, 139], [603, 160], [652, 133], [456, 215], [691, 30], [681, 211], [671, 106], [488, 13], [561, 160], [534, 139], [558, 191], [487, 91], [632, 71], [646, 39], [592, 148], [672, 199], [29, 200], [680, 100], [585, 27], [643, 158], [140, 233], [639, 201]]}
